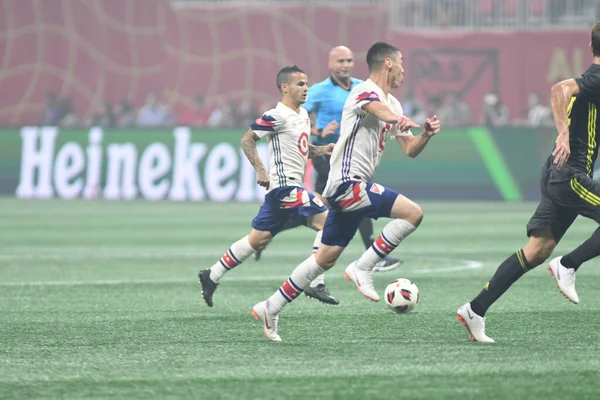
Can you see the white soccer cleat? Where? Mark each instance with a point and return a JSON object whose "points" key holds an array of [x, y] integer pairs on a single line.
{"points": [[363, 281], [261, 313], [474, 324], [565, 279]]}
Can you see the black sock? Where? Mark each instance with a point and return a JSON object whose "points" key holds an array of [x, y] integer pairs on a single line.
{"points": [[586, 251], [507, 273], [366, 232]]}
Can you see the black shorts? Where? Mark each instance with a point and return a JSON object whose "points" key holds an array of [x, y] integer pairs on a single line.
{"points": [[321, 165], [566, 193]]}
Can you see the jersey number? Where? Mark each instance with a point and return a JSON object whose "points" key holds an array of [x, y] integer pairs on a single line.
{"points": [[383, 136], [303, 144]]}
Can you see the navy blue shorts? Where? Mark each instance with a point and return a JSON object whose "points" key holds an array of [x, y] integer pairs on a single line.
{"points": [[284, 204], [352, 202]]}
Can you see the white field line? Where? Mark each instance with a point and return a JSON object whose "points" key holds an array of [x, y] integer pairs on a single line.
{"points": [[458, 265]]}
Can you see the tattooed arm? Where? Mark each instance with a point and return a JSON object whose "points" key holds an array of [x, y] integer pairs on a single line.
{"points": [[318, 151], [249, 146]]}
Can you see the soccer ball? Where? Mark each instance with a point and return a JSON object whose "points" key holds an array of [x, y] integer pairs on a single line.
{"points": [[401, 295]]}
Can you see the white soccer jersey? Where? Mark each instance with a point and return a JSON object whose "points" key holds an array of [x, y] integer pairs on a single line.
{"points": [[362, 137], [287, 134]]}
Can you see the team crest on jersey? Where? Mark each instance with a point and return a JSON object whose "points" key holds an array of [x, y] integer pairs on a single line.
{"points": [[377, 189], [307, 121], [303, 144]]}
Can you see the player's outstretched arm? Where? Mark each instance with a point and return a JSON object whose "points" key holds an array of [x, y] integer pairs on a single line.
{"points": [[382, 112], [562, 92], [319, 151], [413, 145], [249, 146]]}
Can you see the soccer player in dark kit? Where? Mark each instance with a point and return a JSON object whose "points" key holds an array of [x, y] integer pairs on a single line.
{"points": [[568, 190]]}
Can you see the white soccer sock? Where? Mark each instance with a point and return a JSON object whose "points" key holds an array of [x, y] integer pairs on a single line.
{"points": [[321, 278], [391, 236], [301, 277], [236, 255]]}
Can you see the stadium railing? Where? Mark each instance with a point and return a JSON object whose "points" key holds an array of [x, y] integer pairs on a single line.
{"points": [[492, 14], [270, 3], [453, 14]]}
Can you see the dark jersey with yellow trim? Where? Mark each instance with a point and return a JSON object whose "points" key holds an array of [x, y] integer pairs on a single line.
{"points": [[583, 121]]}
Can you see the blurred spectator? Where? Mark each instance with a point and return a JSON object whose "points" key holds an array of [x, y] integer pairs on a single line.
{"points": [[245, 113], [434, 105], [104, 116], [217, 114], [124, 114], [229, 113], [454, 112], [222, 115], [412, 108], [493, 113], [69, 116], [52, 113], [197, 115], [153, 114], [537, 113], [265, 106], [417, 113]]}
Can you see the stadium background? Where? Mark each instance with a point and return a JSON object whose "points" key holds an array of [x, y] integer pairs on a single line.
{"points": [[91, 53], [98, 298]]}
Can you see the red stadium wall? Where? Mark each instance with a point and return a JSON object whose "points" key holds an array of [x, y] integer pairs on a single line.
{"points": [[95, 50], [509, 64]]}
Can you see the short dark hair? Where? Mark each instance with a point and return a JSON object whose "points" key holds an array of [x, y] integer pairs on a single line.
{"points": [[283, 76], [378, 53], [596, 39]]}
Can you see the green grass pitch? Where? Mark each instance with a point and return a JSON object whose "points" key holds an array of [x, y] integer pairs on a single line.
{"points": [[100, 300]]}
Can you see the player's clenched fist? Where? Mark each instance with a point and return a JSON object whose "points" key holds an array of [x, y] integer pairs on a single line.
{"points": [[330, 129], [328, 149], [432, 125], [262, 178]]}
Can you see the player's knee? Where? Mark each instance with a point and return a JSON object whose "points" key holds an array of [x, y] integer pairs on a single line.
{"points": [[415, 215], [545, 252], [259, 243], [324, 261], [326, 264], [317, 225]]}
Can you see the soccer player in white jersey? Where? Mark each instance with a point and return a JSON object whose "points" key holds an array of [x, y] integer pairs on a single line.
{"points": [[286, 128], [370, 114]]}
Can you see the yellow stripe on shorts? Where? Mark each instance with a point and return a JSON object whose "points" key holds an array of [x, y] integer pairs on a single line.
{"points": [[584, 193]]}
